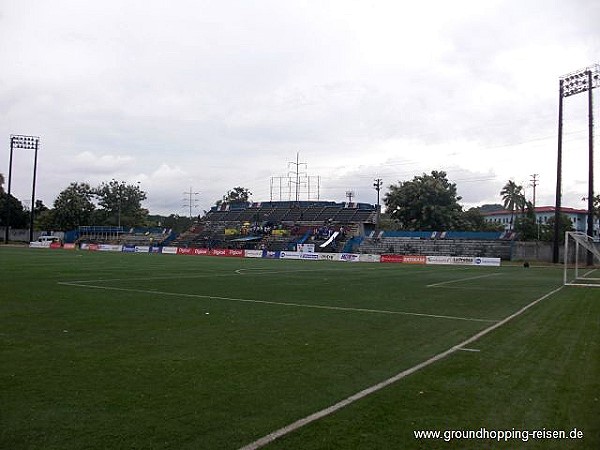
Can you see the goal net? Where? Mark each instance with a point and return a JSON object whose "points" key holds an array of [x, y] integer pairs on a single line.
{"points": [[581, 254]]}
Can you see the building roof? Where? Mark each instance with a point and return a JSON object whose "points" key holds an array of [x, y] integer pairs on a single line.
{"points": [[539, 210]]}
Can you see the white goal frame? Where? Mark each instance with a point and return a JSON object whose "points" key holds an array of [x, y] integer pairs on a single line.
{"points": [[583, 244]]}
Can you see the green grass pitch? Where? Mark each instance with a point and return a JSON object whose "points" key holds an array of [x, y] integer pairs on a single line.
{"points": [[146, 351]]}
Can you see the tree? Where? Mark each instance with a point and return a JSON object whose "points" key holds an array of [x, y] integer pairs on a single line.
{"points": [[564, 225], [513, 198], [236, 195], [19, 217], [175, 222], [428, 202], [121, 204], [473, 220], [74, 207], [527, 225]]}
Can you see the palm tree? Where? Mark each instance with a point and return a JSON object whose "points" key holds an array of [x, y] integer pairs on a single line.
{"points": [[513, 198]]}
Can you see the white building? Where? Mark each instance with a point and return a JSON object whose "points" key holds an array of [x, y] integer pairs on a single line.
{"points": [[543, 214]]}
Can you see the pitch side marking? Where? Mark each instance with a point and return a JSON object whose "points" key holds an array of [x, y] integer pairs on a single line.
{"points": [[242, 271], [360, 395], [464, 349], [266, 302], [463, 279]]}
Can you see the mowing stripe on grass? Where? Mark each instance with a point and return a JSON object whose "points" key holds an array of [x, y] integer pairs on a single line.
{"points": [[443, 283], [360, 395], [267, 302]]}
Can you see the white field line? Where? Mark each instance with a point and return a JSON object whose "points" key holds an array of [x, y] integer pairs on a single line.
{"points": [[365, 392], [469, 349], [266, 302], [246, 272], [443, 283]]}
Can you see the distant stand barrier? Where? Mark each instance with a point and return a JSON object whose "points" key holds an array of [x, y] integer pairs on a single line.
{"points": [[294, 255]]}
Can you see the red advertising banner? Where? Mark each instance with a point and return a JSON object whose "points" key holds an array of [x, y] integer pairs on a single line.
{"points": [[192, 251], [404, 259], [226, 252], [211, 252], [392, 258], [415, 259]]}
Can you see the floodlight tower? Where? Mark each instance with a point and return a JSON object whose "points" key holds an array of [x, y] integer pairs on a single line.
{"points": [[26, 143], [583, 80]]}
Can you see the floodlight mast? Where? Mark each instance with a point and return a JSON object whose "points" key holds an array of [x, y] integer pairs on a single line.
{"points": [[583, 80], [26, 143]]}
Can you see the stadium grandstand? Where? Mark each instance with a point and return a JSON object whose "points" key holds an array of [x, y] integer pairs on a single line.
{"points": [[151, 236], [330, 227]]}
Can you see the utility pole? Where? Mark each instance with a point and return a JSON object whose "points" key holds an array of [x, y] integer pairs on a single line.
{"points": [[190, 200], [534, 182], [377, 185], [297, 164]]}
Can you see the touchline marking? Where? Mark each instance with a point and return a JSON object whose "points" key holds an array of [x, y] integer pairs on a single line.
{"points": [[266, 302], [463, 279], [359, 395]]}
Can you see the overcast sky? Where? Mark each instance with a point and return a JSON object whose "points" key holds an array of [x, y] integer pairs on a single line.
{"points": [[209, 95]]}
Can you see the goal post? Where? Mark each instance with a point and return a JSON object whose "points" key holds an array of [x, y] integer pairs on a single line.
{"points": [[576, 270]]}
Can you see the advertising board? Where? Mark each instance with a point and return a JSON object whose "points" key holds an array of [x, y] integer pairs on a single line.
{"points": [[309, 256], [289, 255], [463, 260], [109, 248], [404, 259]]}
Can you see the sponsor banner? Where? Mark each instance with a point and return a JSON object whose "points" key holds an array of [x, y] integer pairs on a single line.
{"points": [[348, 257], [392, 258], [55, 245], [253, 253], [129, 249], [441, 260], [463, 260], [192, 251], [487, 261], [289, 255], [414, 259], [369, 258], [109, 248], [271, 255], [404, 259], [327, 256], [305, 248], [154, 249], [69, 246], [90, 247], [36, 244], [226, 252], [169, 250], [310, 256], [142, 249]]}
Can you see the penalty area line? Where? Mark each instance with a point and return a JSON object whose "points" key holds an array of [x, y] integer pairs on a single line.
{"points": [[259, 443], [443, 283]]}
